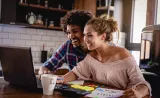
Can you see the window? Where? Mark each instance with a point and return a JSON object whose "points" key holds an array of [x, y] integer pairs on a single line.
{"points": [[139, 10], [158, 12], [136, 55], [138, 20]]}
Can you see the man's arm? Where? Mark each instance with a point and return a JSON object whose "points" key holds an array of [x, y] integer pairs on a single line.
{"points": [[55, 61]]}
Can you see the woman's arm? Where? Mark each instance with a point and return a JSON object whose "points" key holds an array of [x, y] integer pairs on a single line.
{"points": [[137, 85], [70, 76]]}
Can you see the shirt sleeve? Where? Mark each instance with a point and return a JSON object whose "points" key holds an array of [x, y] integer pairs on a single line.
{"points": [[57, 59], [82, 69], [135, 75]]}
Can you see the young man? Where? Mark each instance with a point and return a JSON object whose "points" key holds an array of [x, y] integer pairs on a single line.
{"points": [[73, 50]]}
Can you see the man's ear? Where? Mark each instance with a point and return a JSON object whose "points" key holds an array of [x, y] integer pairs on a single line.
{"points": [[103, 36]]}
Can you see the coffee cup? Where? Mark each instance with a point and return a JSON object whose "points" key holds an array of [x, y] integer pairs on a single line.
{"points": [[48, 83]]}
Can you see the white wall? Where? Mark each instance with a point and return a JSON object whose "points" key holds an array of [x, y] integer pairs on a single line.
{"points": [[118, 12], [35, 38], [119, 41]]}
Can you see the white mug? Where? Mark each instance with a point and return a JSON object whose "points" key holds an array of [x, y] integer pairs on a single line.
{"points": [[48, 83]]}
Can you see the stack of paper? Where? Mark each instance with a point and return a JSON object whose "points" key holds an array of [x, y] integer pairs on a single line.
{"points": [[105, 93], [79, 82]]}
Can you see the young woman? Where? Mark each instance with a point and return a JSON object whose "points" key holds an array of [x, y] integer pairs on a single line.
{"points": [[106, 64]]}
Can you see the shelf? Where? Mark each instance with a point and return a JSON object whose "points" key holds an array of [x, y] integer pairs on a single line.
{"points": [[57, 28], [45, 27], [38, 6], [43, 7], [111, 8], [23, 4], [39, 26], [14, 13], [56, 9]]}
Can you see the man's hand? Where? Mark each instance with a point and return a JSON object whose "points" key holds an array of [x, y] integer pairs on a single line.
{"points": [[44, 70]]}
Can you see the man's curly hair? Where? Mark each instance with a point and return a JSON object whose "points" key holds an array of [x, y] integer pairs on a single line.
{"points": [[75, 17]]}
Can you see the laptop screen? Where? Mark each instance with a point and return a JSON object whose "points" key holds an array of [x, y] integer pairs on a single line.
{"points": [[17, 66]]}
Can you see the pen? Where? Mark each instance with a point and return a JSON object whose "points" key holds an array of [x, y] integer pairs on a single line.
{"points": [[60, 78]]}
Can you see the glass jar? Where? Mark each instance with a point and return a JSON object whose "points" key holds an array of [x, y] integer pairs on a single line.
{"points": [[51, 24], [39, 20]]}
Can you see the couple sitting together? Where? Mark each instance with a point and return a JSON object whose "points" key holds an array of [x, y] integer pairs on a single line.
{"points": [[90, 55]]}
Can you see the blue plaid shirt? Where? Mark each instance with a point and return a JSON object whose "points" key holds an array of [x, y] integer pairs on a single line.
{"points": [[65, 54]]}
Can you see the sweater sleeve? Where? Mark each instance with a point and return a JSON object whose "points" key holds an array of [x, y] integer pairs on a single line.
{"points": [[82, 69], [135, 75]]}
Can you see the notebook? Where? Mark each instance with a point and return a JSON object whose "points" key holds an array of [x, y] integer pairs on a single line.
{"points": [[17, 66]]}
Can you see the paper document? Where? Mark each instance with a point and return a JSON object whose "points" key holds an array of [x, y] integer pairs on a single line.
{"points": [[80, 82], [105, 93]]}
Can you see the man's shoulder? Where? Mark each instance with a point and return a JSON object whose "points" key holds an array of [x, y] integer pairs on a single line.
{"points": [[68, 42]]}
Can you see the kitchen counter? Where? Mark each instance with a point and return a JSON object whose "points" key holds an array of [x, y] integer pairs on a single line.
{"points": [[38, 65], [61, 70]]}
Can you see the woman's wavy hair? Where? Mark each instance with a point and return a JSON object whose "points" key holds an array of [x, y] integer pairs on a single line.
{"points": [[103, 25]]}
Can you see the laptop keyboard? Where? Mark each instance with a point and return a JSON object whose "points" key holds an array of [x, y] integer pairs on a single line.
{"points": [[67, 90], [39, 85]]}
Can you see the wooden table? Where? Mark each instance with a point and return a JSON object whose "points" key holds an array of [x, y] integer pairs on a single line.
{"points": [[9, 91]]}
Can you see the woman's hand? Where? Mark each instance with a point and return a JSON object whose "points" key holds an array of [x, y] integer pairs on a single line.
{"points": [[131, 93], [60, 80], [139, 92], [70, 76]]}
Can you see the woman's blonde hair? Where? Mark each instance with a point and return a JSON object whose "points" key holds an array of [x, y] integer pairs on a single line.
{"points": [[101, 26]]}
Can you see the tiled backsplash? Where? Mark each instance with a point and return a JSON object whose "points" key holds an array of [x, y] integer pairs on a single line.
{"points": [[35, 38]]}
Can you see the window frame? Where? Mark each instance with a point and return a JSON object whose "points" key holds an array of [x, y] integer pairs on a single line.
{"points": [[151, 17]]}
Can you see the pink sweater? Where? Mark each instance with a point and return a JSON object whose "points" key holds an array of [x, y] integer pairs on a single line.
{"points": [[122, 74]]}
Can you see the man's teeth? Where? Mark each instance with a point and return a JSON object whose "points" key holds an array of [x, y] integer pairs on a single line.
{"points": [[74, 40]]}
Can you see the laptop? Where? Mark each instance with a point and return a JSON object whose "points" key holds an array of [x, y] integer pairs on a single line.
{"points": [[17, 69], [17, 66]]}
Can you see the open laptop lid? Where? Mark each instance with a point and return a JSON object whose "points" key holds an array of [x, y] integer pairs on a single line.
{"points": [[17, 66]]}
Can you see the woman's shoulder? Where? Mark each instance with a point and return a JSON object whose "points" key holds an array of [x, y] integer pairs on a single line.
{"points": [[122, 53]]}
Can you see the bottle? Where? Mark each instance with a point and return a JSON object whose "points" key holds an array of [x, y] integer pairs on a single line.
{"points": [[43, 55], [51, 24], [46, 22], [50, 53], [46, 3], [21, 1], [99, 3], [59, 6]]}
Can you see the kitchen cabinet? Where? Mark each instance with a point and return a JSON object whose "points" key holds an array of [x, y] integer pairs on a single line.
{"points": [[18, 12], [89, 5], [105, 7]]}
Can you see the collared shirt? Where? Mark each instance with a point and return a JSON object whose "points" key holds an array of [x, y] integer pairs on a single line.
{"points": [[65, 54]]}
